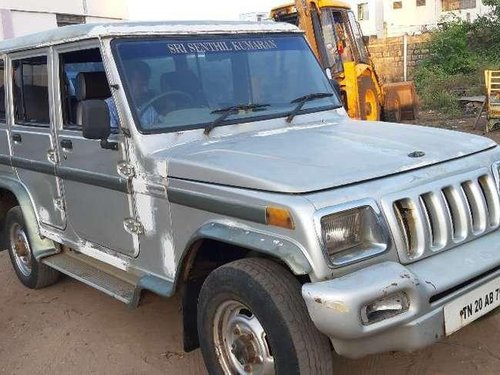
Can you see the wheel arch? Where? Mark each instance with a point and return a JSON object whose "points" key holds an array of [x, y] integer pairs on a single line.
{"points": [[216, 244], [13, 193]]}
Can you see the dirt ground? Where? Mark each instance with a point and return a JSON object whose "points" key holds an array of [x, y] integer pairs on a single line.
{"points": [[70, 328]]}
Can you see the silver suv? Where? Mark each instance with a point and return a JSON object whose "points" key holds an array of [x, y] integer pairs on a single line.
{"points": [[215, 160]]}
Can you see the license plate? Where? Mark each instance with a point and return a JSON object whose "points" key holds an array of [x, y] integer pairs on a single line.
{"points": [[471, 306]]}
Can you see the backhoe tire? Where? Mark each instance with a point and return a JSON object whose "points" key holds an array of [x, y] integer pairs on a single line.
{"points": [[30, 272], [252, 319], [369, 106]]}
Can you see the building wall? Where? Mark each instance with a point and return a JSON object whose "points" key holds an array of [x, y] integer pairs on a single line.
{"points": [[411, 18], [21, 17], [28, 22], [107, 8], [96, 8], [255, 16], [375, 23], [385, 21]]}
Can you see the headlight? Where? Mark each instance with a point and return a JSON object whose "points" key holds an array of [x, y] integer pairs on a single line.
{"points": [[353, 235]]}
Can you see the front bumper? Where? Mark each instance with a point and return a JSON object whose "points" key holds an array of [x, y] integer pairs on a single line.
{"points": [[335, 305]]}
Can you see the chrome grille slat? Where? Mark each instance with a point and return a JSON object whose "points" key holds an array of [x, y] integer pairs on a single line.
{"points": [[477, 206], [438, 217], [450, 225], [488, 186], [422, 230], [467, 212], [462, 222], [446, 215]]}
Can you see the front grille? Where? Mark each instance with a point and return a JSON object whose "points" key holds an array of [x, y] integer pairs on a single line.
{"points": [[435, 220]]}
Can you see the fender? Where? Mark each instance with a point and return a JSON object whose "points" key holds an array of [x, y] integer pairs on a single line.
{"points": [[287, 250], [40, 246], [233, 233]]}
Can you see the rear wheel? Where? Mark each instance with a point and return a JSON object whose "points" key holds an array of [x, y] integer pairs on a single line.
{"points": [[30, 272], [252, 320], [368, 100]]}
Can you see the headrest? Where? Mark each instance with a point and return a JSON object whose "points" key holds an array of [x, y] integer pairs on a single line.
{"points": [[92, 85]]}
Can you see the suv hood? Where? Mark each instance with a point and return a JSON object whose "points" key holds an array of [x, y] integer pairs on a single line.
{"points": [[314, 157]]}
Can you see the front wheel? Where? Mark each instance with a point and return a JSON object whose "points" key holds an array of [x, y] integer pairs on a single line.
{"points": [[369, 105], [252, 320]]}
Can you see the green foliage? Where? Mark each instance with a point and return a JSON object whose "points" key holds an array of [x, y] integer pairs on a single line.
{"points": [[433, 88], [496, 6], [459, 52], [449, 48]]}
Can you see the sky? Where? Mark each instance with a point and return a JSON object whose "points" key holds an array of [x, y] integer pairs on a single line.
{"points": [[197, 9]]}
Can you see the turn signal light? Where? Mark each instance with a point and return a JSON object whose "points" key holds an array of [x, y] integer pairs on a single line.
{"points": [[279, 217]]}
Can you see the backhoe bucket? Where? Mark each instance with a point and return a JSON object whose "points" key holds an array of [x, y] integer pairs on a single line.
{"points": [[400, 101]]}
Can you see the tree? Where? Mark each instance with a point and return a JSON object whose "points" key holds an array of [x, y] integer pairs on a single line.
{"points": [[495, 4]]}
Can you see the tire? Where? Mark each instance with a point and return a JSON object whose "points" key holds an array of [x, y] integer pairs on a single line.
{"points": [[369, 106], [392, 107], [31, 273], [259, 299]]}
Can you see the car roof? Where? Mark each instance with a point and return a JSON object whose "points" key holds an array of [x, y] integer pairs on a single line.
{"points": [[99, 30]]}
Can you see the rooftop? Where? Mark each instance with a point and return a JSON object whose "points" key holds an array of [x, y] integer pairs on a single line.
{"points": [[96, 30]]}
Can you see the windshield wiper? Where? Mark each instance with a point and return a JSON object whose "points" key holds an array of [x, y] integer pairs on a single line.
{"points": [[303, 100], [227, 111]]}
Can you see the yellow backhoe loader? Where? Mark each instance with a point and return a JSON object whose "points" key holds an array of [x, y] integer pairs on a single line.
{"points": [[337, 40]]}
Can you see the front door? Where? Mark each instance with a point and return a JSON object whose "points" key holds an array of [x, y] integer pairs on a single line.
{"points": [[32, 137], [98, 200]]}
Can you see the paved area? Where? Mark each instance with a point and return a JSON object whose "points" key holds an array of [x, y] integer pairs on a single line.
{"points": [[70, 328]]}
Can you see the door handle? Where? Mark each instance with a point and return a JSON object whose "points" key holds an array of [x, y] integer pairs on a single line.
{"points": [[67, 144], [17, 138]]}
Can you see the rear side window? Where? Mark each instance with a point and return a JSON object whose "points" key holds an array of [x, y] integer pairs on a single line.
{"points": [[30, 90], [2, 92]]}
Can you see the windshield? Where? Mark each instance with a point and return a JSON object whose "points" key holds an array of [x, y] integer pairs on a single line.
{"points": [[176, 84], [358, 39]]}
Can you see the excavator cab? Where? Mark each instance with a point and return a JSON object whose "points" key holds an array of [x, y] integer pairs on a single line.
{"points": [[337, 40]]}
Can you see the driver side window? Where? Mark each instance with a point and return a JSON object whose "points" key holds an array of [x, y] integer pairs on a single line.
{"points": [[82, 77]]}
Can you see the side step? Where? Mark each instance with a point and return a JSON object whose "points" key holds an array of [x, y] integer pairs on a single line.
{"points": [[110, 280]]}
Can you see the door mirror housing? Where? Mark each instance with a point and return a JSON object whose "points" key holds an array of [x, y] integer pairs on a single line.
{"points": [[366, 40], [94, 118]]}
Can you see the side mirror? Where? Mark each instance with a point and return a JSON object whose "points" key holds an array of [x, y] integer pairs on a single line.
{"points": [[366, 40], [94, 118]]}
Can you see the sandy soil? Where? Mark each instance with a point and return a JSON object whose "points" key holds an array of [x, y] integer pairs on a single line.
{"points": [[70, 328]]}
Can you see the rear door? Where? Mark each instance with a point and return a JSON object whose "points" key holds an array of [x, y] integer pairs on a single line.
{"points": [[31, 135]]}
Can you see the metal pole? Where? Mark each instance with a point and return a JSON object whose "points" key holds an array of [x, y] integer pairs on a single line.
{"points": [[405, 56]]}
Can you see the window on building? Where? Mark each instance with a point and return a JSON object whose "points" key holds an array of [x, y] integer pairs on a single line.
{"points": [[397, 5], [31, 92], [363, 12], [420, 3], [467, 4], [69, 19], [2, 92], [449, 5]]}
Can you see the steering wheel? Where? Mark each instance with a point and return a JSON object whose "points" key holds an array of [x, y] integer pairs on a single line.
{"points": [[151, 101]]}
